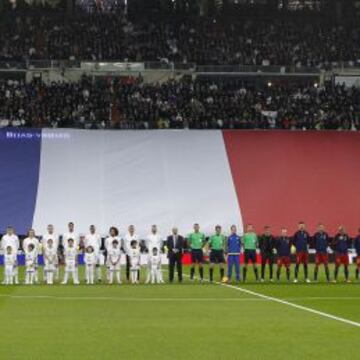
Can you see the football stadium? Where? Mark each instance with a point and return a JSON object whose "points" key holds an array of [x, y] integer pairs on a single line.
{"points": [[179, 179]]}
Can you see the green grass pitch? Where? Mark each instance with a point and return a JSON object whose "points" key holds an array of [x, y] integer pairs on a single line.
{"points": [[172, 321]]}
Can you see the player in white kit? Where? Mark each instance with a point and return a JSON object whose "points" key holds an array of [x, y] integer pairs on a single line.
{"points": [[113, 262], [71, 234], [93, 239], [71, 262], [90, 260], [50, 261], [9, 264], [128, 238], [153, 241], [113, 235], [11, 239], [50, 234], [32, 240], [30, 264], [155, 266], [134, 255]]}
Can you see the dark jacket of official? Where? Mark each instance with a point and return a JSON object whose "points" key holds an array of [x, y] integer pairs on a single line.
{"points": [[179, 245], [267, 244]]}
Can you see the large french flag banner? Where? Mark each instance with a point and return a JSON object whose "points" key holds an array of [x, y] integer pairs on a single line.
{"points": [[176, 178]]}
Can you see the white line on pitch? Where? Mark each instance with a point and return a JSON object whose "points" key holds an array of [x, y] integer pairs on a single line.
{"points": [[126, 299], [284, 302]]}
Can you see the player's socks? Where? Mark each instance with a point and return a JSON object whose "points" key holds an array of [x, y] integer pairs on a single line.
{"points": [[288, 274], [211, 274], [66, 276], [316, 270], [336, 272], [271, 271], [263, 271], [118, 277], [201, 272], [244, 273], [346, 272], [278, 274], [148, 276], [357, 274], [327, 273], [296, 271], [192, 273], [306, 271], [222, 273], [256, 273]]}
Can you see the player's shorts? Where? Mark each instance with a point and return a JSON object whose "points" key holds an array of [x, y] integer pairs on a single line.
{"points": [[98, 259], [49, 267], [114, 267], [321, 258], [284, 260], [217, 257], [69, 267], [341, 259], [250, 255], [267, 258], [197, 256], [302, 257]]}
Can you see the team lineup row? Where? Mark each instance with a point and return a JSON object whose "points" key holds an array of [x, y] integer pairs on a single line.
{"points": [[222, 249]]}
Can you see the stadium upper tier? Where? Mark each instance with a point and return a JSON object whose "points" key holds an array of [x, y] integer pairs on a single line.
{"points": [[277, 40], [129, 103]]}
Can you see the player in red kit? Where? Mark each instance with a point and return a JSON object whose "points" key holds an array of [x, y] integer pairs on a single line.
{"points": [[342, 243], [301, 241], [282, 246], [321, 242]]}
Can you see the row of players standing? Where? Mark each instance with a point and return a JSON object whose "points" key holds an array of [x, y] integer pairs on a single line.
{"points": [[68, 249], [273, 250], [279, 250]]}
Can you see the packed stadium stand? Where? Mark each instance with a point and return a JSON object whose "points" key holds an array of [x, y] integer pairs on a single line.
{"points": [[180, 64], [288, 39], [130, 103]]}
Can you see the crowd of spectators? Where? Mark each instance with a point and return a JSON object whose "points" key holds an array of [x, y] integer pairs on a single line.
{"points": [[284, 40], [204, 104], [36, 104], [130, 103]]}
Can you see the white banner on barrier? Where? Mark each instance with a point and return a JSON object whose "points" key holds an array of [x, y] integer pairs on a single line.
{"points": [[348, 81], [112, 66]]}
